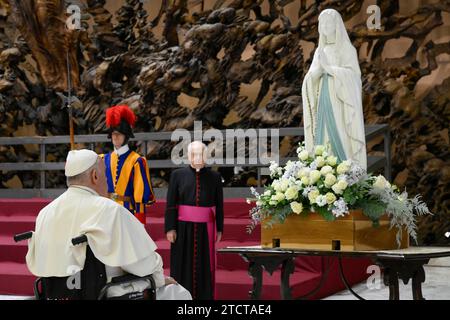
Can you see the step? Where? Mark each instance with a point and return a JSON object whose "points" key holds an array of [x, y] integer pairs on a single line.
{"points": [[27, 207], [233, 208], [12, 225], [15, 279]]}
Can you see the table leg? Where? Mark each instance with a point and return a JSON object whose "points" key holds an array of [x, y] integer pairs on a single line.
{"points": [[404, 270], [287, 269], [417, 280], [390, 279], [270, 264], [255, 271]]}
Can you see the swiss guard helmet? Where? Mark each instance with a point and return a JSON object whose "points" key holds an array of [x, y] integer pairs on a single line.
{"points": [[122, 119]]}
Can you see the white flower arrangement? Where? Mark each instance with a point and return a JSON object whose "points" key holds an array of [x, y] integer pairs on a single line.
{"points": [[319, 183]]}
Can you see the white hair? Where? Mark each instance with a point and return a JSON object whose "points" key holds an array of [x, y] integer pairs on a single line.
{"points": [[204, 147]]}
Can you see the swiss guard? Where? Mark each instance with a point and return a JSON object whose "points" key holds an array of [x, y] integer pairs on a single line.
{"points": [[127, 172]]}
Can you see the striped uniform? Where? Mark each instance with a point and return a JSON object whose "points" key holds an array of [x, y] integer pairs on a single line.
{"points": [[128, 176]]}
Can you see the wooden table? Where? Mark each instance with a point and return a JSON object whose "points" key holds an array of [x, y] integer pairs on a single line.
{"points": [[404, 264]]}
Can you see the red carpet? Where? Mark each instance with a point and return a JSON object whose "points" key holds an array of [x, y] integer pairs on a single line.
{"points": [[233, 282]]}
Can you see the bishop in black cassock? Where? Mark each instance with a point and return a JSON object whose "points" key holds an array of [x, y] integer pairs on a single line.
{"points": [[194, 223]]}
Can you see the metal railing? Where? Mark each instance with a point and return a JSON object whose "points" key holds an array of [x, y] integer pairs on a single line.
{"points": [[374, 163]]}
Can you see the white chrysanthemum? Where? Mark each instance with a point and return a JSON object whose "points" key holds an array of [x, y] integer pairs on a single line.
{"points": [[340, 208], [321, 200]]}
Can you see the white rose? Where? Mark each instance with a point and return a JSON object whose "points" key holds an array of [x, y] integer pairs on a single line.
{"points": [[277, 197], [336, 189], [326, 170], [267, 193], [291, 193], [381, 183], [312, 196], [284, 184], [342, 168], [320, 161], [331, 198], [259, 203], [304, 155], [273, 203], [314, 176], [276, 185], [296, 207], [332, 160], [305, 181], [339, 187], [343, 184], [319, 150], [330, 179], [303, 172]]}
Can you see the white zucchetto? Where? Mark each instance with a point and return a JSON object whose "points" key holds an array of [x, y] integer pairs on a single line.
{"points": [[78, 161]]}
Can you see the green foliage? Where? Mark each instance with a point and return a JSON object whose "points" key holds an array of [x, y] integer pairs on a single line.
{"points": [[373, 209], [327, 215]]}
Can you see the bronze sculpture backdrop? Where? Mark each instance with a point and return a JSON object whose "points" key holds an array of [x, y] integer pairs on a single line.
{"points": [[198, 69]]}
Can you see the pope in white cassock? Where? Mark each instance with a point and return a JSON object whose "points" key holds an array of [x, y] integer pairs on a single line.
{"points": [[115, 237], [332, 94]]}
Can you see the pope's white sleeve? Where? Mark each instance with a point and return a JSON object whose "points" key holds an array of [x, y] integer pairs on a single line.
{"points": [[152, 264]]}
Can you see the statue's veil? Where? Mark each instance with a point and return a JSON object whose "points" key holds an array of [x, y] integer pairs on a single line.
{"points": [[342, 40]]}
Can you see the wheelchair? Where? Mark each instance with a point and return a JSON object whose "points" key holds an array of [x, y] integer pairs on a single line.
{"points": [[93, 279]]}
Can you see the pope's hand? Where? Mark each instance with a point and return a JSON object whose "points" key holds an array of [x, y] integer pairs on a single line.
{"points": [[171, 236], [169, 280]]}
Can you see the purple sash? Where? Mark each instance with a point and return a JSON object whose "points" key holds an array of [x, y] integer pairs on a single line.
{"points": [[207, 215]]}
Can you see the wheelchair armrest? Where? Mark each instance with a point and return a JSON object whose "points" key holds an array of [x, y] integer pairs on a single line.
{"points": [[23, 236], [79, 240]]}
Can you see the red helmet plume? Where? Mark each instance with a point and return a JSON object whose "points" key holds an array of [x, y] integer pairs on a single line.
{"points": [[116, 114]]}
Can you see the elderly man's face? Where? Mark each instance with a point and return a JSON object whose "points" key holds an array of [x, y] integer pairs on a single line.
{"points": [[196, 156], [100, 180]]}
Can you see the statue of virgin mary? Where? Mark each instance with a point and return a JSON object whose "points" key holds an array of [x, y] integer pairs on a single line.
{"points": [[332, 94]]}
